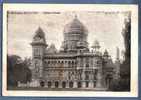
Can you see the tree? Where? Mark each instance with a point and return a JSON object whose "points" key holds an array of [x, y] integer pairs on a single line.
{"points": [[11, 62], [123, 84], [17, 70], [125, 66]]}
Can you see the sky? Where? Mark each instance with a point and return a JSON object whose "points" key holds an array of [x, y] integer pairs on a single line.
{"points": [[106, 27]]}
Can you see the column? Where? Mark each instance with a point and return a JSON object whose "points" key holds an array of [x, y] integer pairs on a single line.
{"points": [[60, 84], [83, 78], [67, 84], [46, 84], [83, 74], [75, 84], [79, 63], [83, 84], [38, 83], [40, 69], [90, 84], [94, 84], [52, 84], [99, 79]]}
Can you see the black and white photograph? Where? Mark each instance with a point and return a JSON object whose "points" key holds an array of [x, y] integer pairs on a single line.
{"points": [[70, 50]]}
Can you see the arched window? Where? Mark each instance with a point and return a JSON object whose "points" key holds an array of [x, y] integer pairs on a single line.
{"points": [[87, 65], [96, 70], [87, 76], [72, 62], [37, 52], [42, 83], [69, 63], [75, 62], [95, 77]]}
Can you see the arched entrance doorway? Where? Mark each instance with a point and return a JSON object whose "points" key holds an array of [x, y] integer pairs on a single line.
{"points": [[64, 84], [71, 84], [79, 85], [42, 83]]}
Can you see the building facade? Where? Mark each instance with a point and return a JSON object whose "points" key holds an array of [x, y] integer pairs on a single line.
{"points": [[75, 65]]}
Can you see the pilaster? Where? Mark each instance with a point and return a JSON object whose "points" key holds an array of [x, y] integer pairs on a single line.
{"points": [[91, 84], [83, 84]]}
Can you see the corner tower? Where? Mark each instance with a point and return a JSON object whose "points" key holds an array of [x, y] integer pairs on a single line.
{"points": [[38, 50]]}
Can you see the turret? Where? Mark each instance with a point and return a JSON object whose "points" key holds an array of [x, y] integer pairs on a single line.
{"points": [[106, 55], [95, 46], [52, 49]]}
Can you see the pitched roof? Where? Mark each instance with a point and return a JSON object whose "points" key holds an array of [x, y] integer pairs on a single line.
{"points": [[39, 33]]}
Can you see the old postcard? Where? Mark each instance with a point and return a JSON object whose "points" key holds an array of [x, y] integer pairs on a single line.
{"points": [[70, 50]]}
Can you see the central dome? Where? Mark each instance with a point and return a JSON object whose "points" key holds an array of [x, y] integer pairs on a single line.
{"points": [[75, 26], [75, 35]]}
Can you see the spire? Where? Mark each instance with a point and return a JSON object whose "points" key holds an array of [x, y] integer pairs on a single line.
{"points": [[106, 53], [39, 33], [39, 37]]}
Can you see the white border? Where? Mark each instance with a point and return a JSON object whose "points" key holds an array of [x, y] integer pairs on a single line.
{"points": [[75, 7]]}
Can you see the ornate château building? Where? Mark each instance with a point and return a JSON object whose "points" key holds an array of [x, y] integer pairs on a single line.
{"points": [[74, 65]]}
